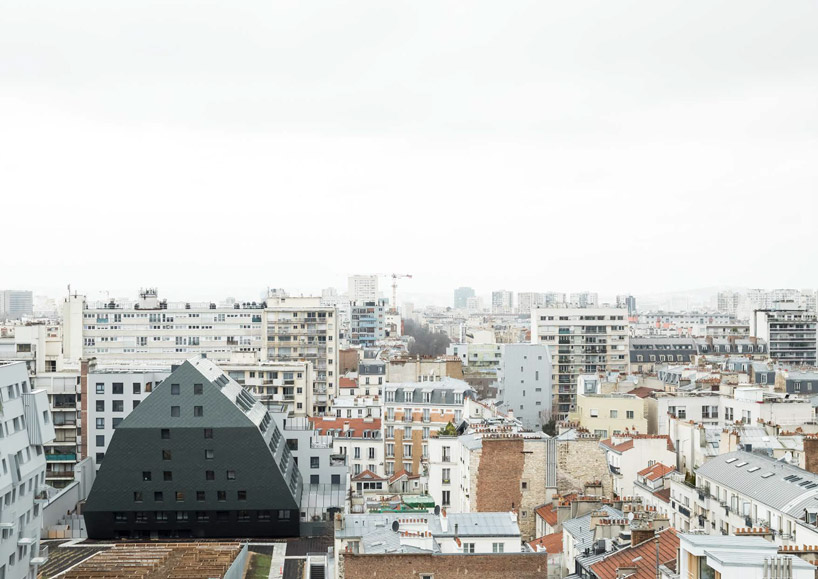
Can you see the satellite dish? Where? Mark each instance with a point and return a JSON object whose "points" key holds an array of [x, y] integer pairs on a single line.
{"points": [[395, 525], [630, 517], [437, 509]]}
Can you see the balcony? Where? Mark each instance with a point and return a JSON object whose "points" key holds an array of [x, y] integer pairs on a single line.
{"points": [[41, 557], [61, 457]]}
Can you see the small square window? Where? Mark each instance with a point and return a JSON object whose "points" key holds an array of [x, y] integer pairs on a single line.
{"points": [[137, 496], [175, 411], [100, 405], [167, 475], [208, 433], [180, 496], [231, 475], [210, 475], [174, 389], [200, 495], [221, 495], [209, 454], [100, 440], [198, 389], [166, 433], [242, 495], [166, 455], [146, 475], [198, 411], [157, 496]]}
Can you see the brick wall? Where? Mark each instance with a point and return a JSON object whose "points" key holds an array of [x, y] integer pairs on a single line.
{"points": [[517, 565], [499, 475]]}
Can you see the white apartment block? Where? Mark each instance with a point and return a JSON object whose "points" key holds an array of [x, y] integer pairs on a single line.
{"points": [[363, 288], [790, 333], [65, 450], [502, 302], [25, 426], [581, 341], [277, 383], [282, 329], [526, 301]]}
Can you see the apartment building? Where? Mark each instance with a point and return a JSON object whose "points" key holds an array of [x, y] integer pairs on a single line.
{"points": [[418, 369], [502, 302], [359, 439], [610, 414], [461, 297], [627, 454], [362, 288], [790, 333], [367, 322], [742, 489], [16, 304], [282, 329], [526, 301], [584, 299], [316, 455], [199, 457], [415, 412], [25, 427], [524, 384], [737, 557], [38, 345], [277, 383], [66, 449], [628, 302], [581, 341]]}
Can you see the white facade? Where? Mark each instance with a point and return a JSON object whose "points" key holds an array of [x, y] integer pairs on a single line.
{"points": [[363, 288], [524, 383], [502, 302], [65, 450], [627, 455], [25, 426]]}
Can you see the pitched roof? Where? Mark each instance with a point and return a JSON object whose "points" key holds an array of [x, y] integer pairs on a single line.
{"points": [[347, 382], [641, 556], [656, 471], [547, 514], [367, 475], [628, 444], [401, 473], [550, 543], [356, 426], [663, 495], [643, 391]]}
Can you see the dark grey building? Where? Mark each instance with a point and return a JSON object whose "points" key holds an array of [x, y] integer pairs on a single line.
{"points": [[199, 457]]}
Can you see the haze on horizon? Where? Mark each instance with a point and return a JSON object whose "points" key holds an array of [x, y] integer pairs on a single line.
{"points": [[218, 148]]}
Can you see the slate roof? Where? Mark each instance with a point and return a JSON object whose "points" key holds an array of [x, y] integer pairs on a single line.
{"points": [[500, 524], [579, 529], [443, 391], [773, 483], [641, 556]]}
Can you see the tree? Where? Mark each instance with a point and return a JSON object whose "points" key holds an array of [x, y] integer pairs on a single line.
{"points": [[550, 427], [448, 430]]}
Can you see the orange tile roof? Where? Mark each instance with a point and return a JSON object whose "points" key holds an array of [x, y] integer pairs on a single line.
{"points": [[641, 556], [656, 471], [401, 473], [643, 391], [367, 475], [547, 514], [551, 543], [663, 495], [356, 425], [347, 383]]}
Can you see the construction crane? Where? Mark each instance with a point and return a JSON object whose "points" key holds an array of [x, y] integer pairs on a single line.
{"points": [[395, 277]]}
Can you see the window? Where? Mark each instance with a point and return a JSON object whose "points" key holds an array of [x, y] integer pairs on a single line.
{"points": [[175, 411], [115, 422], [100, 423], [146, 475], [210, 475], [202, 516], [118, 406], [468, 547], [209, 454], [167, 475], [166, 455], [208, 433], [200, 495], [165, 433], [242, 495], [100, 440], [174, 389], [614, 414], [446, 498], [231, 475], [335, 479], [594, 412], [118, 388], [221, 496], [157, 496], [314, 462], [137, 388], [198, 411], [100, 405], [629, 414], [407, 450], [497, 547], [137, 496], [120, 517], [197, 389], [180, 497], [182, 516], [244, 516], [100, 388]]}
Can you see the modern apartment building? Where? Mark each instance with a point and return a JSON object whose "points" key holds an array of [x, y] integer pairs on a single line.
{"points": [[524, 384], [281, 329], [628, 302], [789, 332], [25, 427], [38, 345], [199, 457], [584, 300], [367, 322], [526, 301], [581, 341], [414, 412], [16, 304], [363, 288], [65, 450]]}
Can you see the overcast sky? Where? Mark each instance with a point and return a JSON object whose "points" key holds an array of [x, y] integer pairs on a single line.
{"points": [[218, 147]]}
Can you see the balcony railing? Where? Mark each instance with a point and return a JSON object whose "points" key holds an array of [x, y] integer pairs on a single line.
{"points": [[61, 457]]}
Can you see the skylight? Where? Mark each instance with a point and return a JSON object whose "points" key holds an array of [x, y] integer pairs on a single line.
{"points": [[742, 463], [755, 468], [767, 475], [729, 460]]}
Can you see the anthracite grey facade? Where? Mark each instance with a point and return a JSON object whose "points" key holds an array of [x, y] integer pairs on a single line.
{"points": [[199, 457]]}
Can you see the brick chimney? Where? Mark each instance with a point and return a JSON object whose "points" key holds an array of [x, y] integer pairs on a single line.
{"points": [[811, 454], [641, 535]]}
